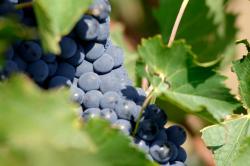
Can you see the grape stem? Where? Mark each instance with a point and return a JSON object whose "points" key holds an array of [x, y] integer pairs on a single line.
{"points": [[23, 5], [144, 106], [177, 22], [171, 40]]}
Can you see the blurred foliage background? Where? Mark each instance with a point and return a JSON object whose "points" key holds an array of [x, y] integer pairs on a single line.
{"points": [[138, 19]]}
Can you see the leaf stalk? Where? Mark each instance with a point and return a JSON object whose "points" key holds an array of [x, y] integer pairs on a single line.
{"points": [[177, 22], [144, 106]]}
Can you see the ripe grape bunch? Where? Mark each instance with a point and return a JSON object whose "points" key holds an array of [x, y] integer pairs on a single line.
{"points": [[92, 67]]}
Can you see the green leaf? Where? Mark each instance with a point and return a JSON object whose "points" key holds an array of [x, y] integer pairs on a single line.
{"points": [[243, 158], [10, 30], [175, 114], [193, 88], [117, 36], [242, 69], [230, 142], [57, 18], [206, 26], [28, 113], [40, 128], [113, 148]]}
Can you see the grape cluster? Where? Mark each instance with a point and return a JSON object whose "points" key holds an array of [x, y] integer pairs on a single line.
{"points": [[92, 67]]}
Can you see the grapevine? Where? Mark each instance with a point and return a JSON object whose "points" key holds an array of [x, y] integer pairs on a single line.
{"points": [[92, 67], [70, 49]]}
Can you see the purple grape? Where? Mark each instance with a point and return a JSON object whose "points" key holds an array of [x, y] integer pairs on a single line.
{"points": [[6, 7], [68, 47], [109, 115], [104, 30], [163, 152], [49, 58], [66, 70], [92, 99], [117, 54], [77, 95], [109, 100], [130, 93], [182, 155], [162, 136], [22, 65], [38, 70], [91, 113], [78, 58], [9, 54], [155, 113], [10, 68], [87, 28], [75, 81], [120, 72], [93, 51], [176, 134], [108, 43], [59, 81], [125, 108], [83, 68], [148, 130], [30, 51], [109, 83], [141, 96], [52, 68], [142, 145], [136, 113], [89, 81], [123, 125], [102, 9], [122, 76], [104, 64]]}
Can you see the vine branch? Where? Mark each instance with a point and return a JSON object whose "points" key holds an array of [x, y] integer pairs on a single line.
{"points": [[144, 106], [177, 22], [171, 39]]}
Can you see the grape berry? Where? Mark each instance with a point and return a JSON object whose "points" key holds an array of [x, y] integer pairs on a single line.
{"points": [[93, 69]]}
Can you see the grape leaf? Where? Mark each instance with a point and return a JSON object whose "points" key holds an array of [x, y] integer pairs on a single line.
{"points": [[242, 69], [193, 88], [39, 128], [205, 25], [57, 18], [229, 142], [113, 149], [243, 158]]}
